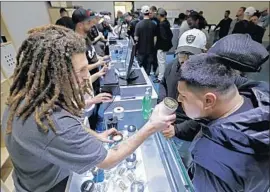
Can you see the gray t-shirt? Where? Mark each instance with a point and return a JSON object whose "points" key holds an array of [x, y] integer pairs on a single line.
{"points": [[42, 160]]}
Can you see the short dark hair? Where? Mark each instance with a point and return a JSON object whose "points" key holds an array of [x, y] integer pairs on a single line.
{"points": [[244, 8], [136, 12], [62, 10], [228, 11], [182, 16], [257, 14], [195, 16], [153, 8], [201, 12], [207, 71]]}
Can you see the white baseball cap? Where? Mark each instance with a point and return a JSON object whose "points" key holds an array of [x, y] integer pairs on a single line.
{"points": [[192, 41], [107, 18], [145, 9], [250, 11]]}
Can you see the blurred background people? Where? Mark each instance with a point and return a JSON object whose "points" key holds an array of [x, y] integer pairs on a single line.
{"points": [[224, 25], [155, 20], [65, 20], [196, 21], [246, 26], [181, 18], [239, 17], [146, 38], [264, 19], [131, 22], [119, 18], [136, 15], [164, 42]]}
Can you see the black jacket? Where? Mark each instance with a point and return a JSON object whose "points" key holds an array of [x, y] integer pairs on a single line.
{"points": [[256, 32], [168, 85], [164, 36], [186, 128], [232, 154]]}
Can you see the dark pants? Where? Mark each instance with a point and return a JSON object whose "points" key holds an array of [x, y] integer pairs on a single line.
{"points": [[155, 61], [145, 61]]}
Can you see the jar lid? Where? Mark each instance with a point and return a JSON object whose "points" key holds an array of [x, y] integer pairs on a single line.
{"points": [[131, 158], [131, 128], [117, 137]]}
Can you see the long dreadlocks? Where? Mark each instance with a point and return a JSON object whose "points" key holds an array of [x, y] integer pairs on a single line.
{"points": [[44, 76]]}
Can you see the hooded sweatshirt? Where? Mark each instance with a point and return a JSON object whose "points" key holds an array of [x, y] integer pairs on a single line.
{"points": [[232, 154]]}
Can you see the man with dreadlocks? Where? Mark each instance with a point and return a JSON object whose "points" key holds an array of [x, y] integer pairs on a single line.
{"points": [[84, 21], [45, 137]]}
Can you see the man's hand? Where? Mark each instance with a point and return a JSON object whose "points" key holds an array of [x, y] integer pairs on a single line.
{"points": [[100, 98], [103, 71], [169, 132], [104, 137], [106, 57], [101, 36], [101, 62], [160, 122]]}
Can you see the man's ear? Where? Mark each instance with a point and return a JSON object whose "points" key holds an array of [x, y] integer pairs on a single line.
{"points": [[210, 100]]}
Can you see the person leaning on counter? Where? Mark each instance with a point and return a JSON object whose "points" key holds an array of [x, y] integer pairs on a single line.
{"points": [[45, 137]]}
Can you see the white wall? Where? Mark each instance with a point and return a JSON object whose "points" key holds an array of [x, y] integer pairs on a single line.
{"points": [[97, 6], [22, 16]]}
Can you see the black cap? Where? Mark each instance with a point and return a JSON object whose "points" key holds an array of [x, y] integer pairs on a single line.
{"points": [[81, 15], [241, 52], [162, 12]]}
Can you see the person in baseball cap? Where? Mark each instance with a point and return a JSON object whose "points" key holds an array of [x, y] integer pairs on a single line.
{"points": [[145, 10], [82, 15], [82, 20], [192, 42], [146, 36], [250, 11]]}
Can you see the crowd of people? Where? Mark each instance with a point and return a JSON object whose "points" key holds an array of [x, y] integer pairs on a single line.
{"points": [[152, 47], [223, 113]]}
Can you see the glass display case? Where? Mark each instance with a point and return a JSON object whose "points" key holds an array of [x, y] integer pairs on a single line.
{"points": [[154, 167]]}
